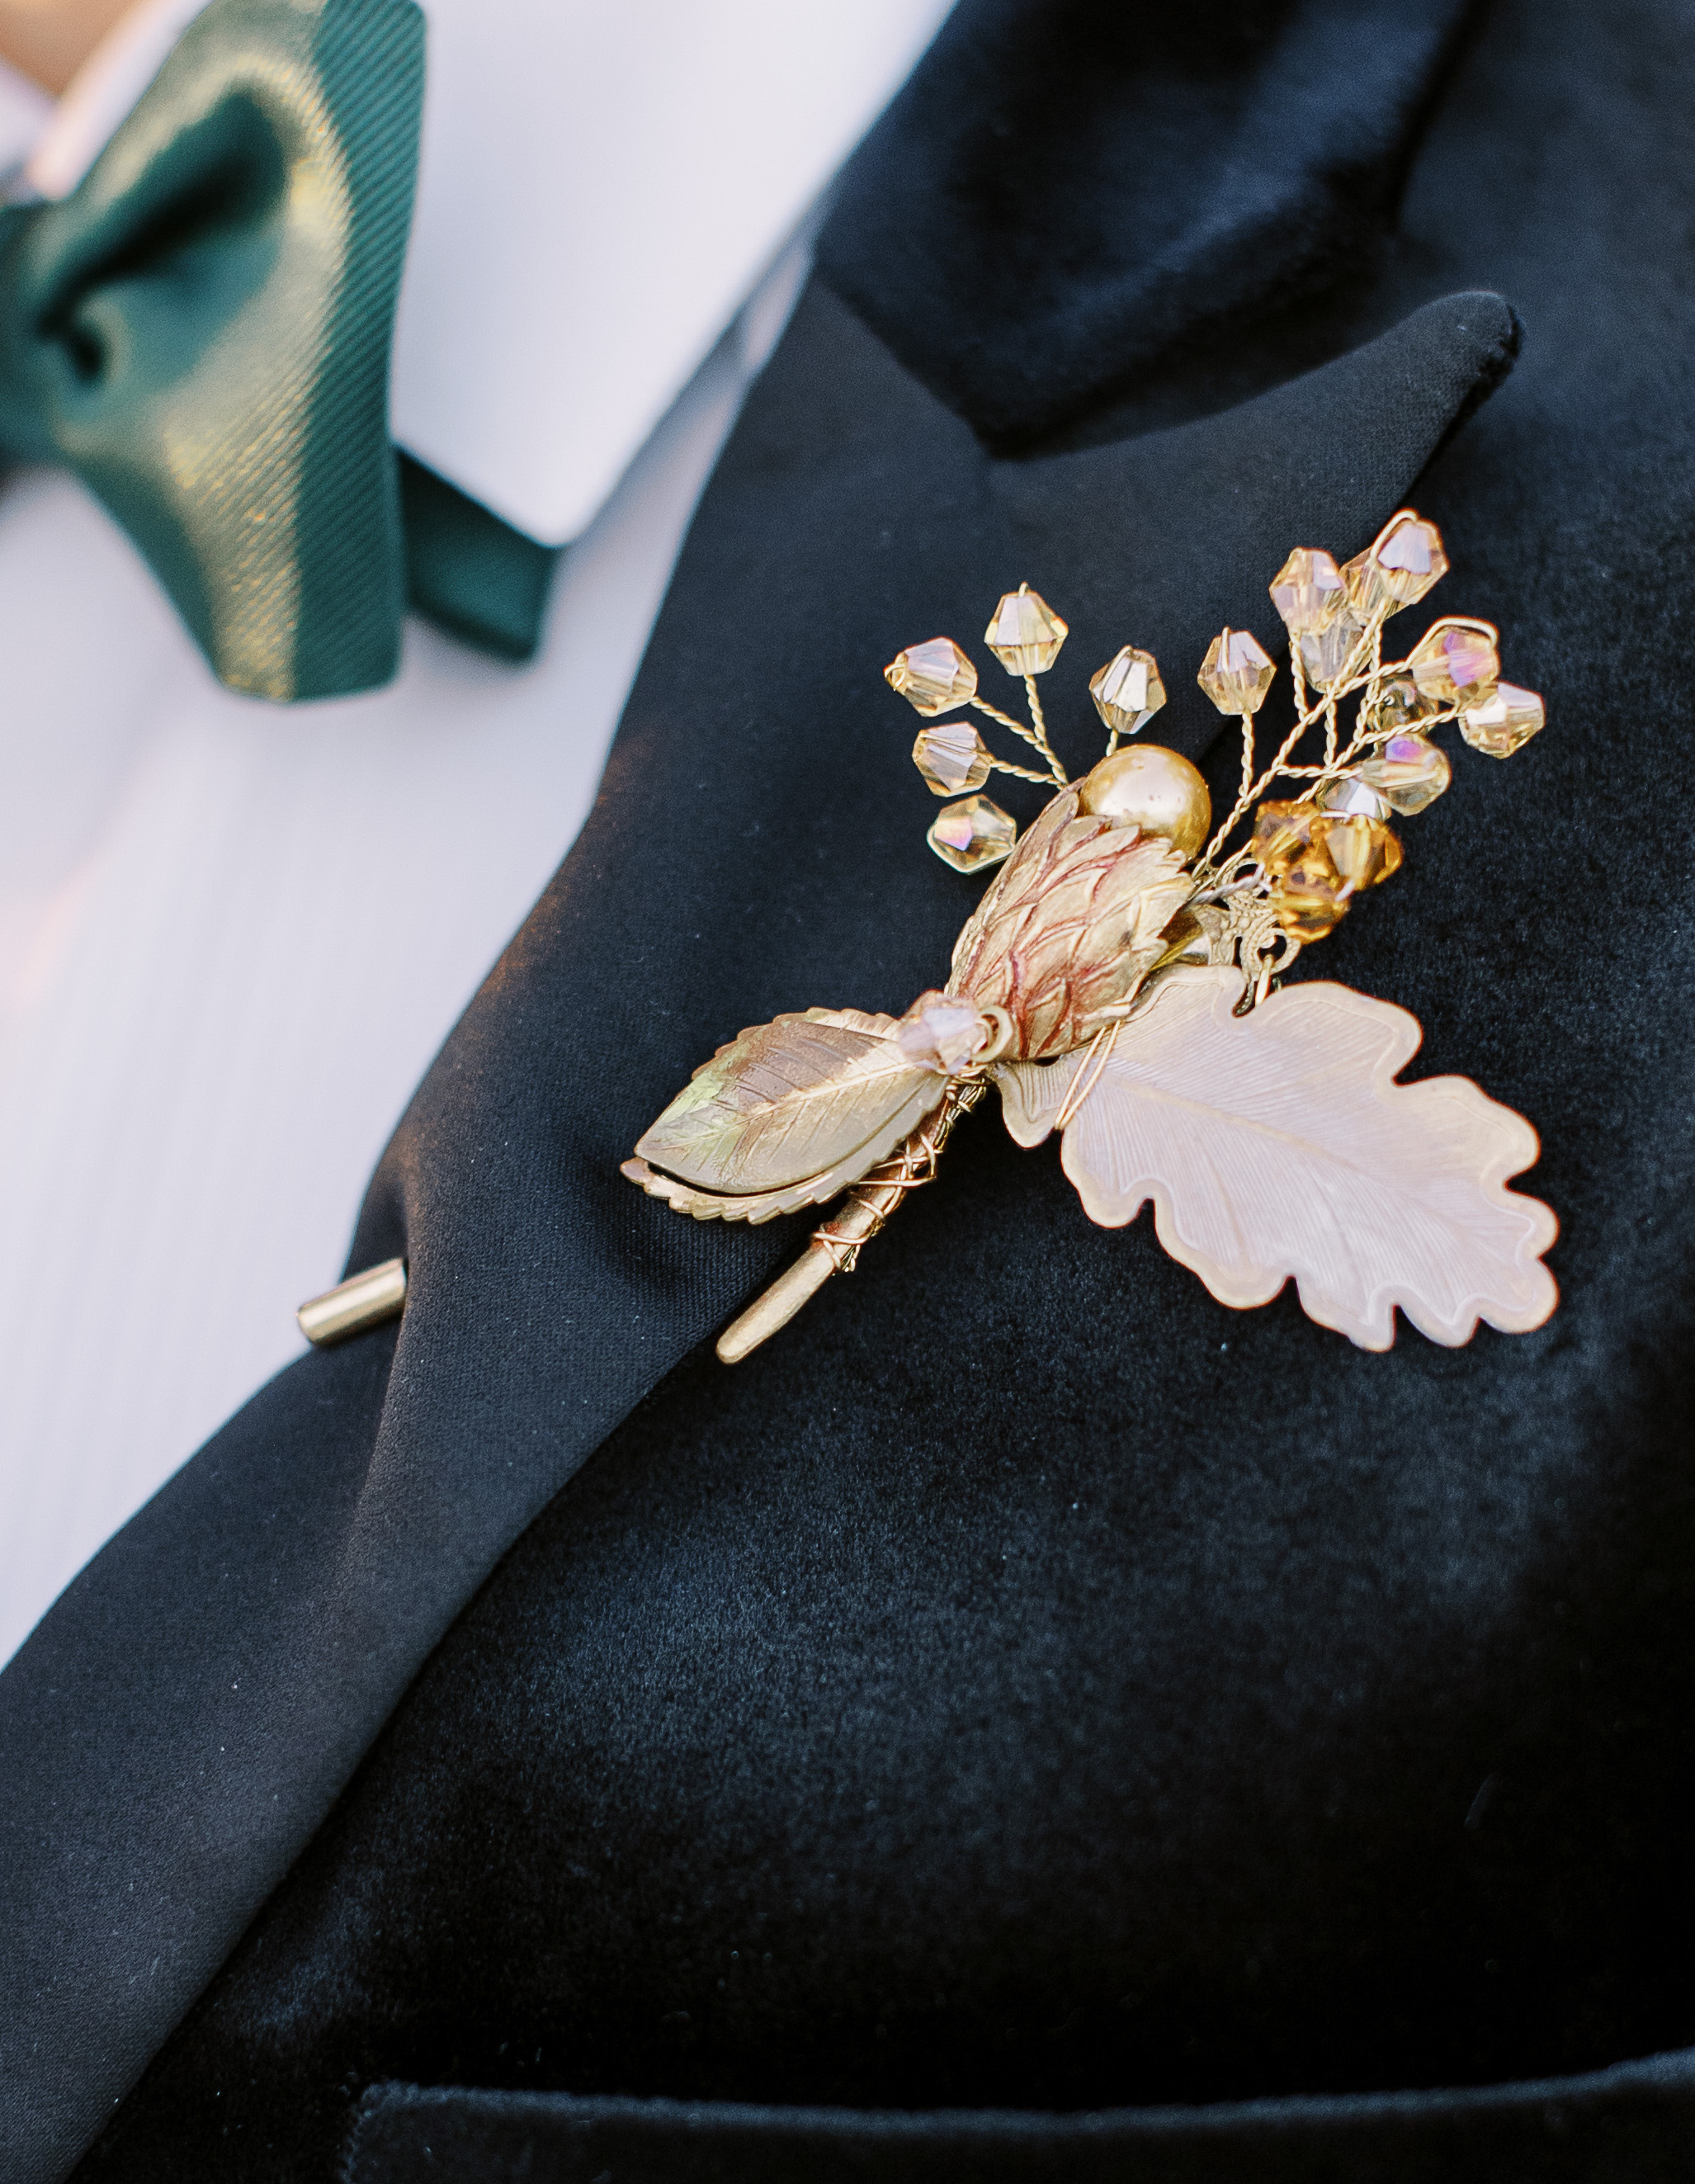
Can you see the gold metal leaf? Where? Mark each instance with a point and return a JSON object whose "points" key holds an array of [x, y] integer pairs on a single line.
{"points": [[1071, 926], [805, 1105], [1279, 1144]]}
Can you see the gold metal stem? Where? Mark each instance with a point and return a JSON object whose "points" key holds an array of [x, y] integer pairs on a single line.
{"points": [[363, 1301], [834, 1247]]}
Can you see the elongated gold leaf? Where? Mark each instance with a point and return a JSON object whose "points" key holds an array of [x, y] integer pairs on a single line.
{"points": [[794, 1103], [1279, 1144]]}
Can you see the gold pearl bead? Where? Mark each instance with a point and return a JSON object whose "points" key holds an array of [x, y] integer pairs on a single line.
{"points": [[1158, 789]]}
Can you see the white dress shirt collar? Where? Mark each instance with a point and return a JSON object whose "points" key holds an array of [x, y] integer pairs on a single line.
{"points": [[600, 186]]}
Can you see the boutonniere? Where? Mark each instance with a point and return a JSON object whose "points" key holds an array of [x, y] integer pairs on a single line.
{"points": [[1122, 983]]}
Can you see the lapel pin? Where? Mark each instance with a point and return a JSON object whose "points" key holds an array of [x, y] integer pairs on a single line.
{"points": [[1121, 984]]}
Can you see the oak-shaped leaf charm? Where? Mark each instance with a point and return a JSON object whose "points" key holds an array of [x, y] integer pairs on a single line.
{"points": [[1279, 1144], [788, 1114], [1070, 928]]}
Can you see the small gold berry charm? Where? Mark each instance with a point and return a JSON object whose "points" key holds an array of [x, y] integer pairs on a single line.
{"points": [[1120, 983]]}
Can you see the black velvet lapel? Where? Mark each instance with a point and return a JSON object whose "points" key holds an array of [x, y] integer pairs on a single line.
{"points": [[1070, 195], [1634, 2121], [182, 1722]]}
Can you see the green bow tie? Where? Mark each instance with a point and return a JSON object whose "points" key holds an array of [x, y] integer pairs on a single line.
{"points": [[201, 332]]}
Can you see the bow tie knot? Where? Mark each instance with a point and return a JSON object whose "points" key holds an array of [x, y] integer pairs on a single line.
{"points": [[202, 331]]}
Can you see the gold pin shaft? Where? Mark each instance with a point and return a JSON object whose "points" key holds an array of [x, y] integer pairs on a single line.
{"points": [[362, 1300]]}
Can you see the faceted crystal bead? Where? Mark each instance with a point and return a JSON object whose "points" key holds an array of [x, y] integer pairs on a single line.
{"points": [[951, 757], [1024, 634], [1408, 772], [1284, 834], [1397, 568], [935, 677], [1455, 663], [1317, 859], [1237, 672], [1348, 793], [973, 835], [1363, 850], [1324, 653], [1307, 591], [1507, 723], [1399, 703], [1308, 914], [1127, 691], [942, 1033]]}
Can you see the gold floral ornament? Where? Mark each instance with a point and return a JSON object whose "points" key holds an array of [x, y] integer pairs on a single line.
{"points": [[1120, 983]]}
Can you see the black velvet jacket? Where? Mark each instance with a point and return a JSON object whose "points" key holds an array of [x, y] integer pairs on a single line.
{"points": [[1030, 1721]]}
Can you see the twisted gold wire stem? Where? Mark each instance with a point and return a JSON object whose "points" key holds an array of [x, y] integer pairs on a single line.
{"points": [[1253, 789], [833, 1248], [1041, 726]]}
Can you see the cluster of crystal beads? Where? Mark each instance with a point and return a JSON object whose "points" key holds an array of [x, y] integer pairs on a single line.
{"points": [[1024, 633], [1506, 724], [934, 677], [953, 757], [1456, 663], [1237, 672], [1127, 691], [1397, 568], [973, 834], [1317, 860]]}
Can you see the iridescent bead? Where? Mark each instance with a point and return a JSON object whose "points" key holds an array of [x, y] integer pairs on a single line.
{"points": [[1397, 568], [973, 834], [1456, 663], [1307, 591], [1407, 772]]}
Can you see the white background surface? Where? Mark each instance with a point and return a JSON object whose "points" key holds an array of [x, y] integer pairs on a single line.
{"points": [[232, 937]]}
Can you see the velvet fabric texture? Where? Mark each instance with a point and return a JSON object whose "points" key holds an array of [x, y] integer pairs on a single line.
{"points": [[1026, 1687]]}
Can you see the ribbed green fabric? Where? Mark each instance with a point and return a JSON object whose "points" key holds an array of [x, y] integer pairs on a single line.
{"points": [[202, 331], [467, 571]]}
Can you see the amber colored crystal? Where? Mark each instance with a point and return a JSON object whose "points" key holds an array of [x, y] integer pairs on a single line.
{"points": [[1307, 914], [1024, 633], [1283, 833], [934, 677], [1324, 653], [1408, 772], [1307, 591], [1317, 859], [1397, 568], [953, 757], [1127, 691], [1364, 851], [1456, 663], [973, 835], [1237, 672], [1507, 723]]}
